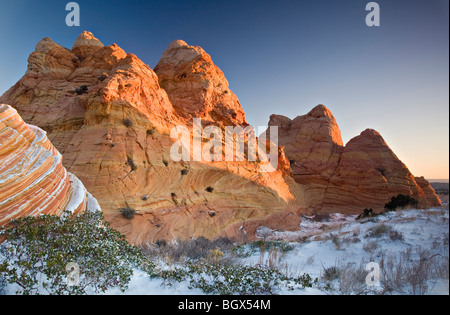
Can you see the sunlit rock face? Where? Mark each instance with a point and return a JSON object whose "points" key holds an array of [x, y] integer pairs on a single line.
{"points": [[110, 116], [313, 144], [197, 87], [370, 174], [33, 180], [431, 198], [365, 173]]}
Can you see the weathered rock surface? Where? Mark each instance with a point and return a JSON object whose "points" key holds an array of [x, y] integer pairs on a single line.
{"points": [[33, 180], [363, 174], [313, 144], [61, 93], [86, 45], [110, 119], [110, 116], [432, 199], [368, 176], [197, 87]]}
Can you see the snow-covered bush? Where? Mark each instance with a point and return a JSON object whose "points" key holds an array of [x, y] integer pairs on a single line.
{"points": [[230, 279], [189, 250], [37, 251]]}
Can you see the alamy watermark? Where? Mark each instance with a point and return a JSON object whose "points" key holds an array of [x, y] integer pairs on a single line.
{"points": [[373, 18], [373, 278], [73, 18], [213, 143], [73, 276]]}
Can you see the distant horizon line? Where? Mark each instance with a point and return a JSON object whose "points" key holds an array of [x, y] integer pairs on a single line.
{"points": [[435, 180]]}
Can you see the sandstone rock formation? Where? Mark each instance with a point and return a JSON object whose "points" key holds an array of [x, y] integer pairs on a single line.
{"points": [[432, 199], [197, 87], [86, 45], [61, 93], [313, 144], [32, 178], [110, 118], [363, 174], [369, 175]]}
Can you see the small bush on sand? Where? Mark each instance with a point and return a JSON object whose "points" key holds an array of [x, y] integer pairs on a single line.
{"points": [[128, 213]]}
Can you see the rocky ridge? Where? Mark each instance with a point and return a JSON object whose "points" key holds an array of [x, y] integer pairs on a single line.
{"points": [[110, 116], [365, 173], [107, 113]]}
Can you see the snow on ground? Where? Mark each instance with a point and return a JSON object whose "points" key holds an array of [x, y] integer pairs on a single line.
{"points": [[352, 245], [345, 241], [141, 284], [338, 241]]}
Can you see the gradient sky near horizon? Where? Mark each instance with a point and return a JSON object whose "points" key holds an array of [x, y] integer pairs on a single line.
{"points": [[282, 57]]}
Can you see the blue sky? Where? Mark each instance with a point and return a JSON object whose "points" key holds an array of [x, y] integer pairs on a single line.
{"points": [[282, 57]]}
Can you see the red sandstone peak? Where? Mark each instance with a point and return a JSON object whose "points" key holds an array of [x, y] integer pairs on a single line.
{"points": [[313, 144], [369, 174], [365, 173], [110, 116], [86, 44], [197, 87], [51, 60], [370, 132], [321, 111], [370, 139], [93, 84]]}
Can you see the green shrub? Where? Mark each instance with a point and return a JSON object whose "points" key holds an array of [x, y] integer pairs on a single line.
{"points": [[184, 171], [81, 90], [209, 189], [306, 281], [367, 213], [37, 251], [128, 212], [243, 251], [130, 162], [379, 230], [262, 245], [127, 122], [331, 273], [401, 201], [223, 279], [102, 77], [151, 131]]}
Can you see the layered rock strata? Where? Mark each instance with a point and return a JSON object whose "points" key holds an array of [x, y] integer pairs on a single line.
{"points": [[365, 173], [33, 180]]}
